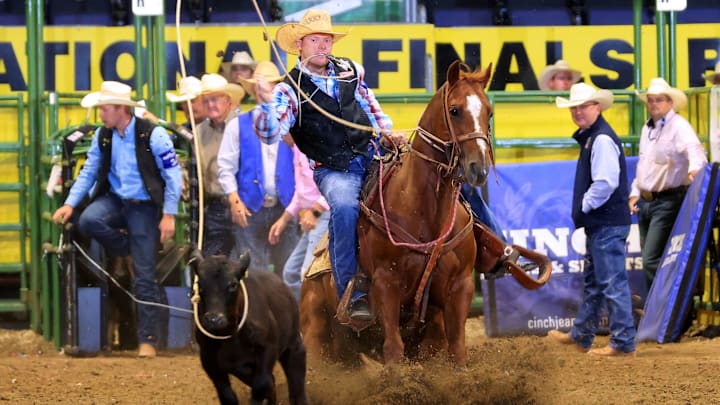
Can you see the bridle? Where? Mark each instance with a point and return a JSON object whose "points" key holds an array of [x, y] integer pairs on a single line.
{"points": [[451, 147]]}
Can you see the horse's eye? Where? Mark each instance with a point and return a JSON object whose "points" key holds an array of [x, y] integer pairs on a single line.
{"points": [[233, 285], [454, 111]]}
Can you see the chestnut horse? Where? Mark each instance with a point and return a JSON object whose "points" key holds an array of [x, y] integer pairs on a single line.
{"points": [[416, 239]]}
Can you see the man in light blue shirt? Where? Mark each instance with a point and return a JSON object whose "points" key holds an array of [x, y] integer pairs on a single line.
{"points": [[133, 173]]}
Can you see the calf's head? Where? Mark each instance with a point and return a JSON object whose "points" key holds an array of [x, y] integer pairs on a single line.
{"points": [[219, 278]]}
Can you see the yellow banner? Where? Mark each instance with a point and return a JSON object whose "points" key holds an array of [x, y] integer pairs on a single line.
{"points": [[397, 58]]}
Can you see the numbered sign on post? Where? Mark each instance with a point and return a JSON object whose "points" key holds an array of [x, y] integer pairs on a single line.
{"points": [[147, 7], [671, 5]]}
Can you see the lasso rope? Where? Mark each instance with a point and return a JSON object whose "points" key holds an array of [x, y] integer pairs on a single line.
{"points": [[201, 207]]}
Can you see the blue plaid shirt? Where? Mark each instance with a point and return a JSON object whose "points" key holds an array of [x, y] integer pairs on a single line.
{"points": [[279, 115]]}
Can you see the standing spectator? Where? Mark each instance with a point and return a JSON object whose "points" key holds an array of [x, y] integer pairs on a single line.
{"points": [[218, 97], [714, 77], [307, 205], [189, 88], [670, 156], [558, 76], [134, 201], [600, 195], [241, 66], [259, 182], [339, 154]]}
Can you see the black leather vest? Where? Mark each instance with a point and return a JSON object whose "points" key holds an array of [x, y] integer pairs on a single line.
{"points": [[154, 183], [324, 140]]}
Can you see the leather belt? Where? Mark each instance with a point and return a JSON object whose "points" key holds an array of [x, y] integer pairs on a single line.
{"points": [[214, 200], [269, 201], [670, 192]]}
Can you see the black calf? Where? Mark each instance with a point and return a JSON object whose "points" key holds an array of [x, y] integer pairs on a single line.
{"points": [[270, 333]]}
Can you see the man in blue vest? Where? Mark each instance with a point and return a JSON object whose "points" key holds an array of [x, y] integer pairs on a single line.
{"points": [[259, 182], [600, 201], [339, 154], [137, 185]]}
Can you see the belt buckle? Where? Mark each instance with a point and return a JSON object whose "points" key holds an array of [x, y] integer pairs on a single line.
{"points": [[647, 195], [269, 201]]}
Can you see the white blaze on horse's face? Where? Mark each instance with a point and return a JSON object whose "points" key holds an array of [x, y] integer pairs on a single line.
{"points": [[474, 105]]}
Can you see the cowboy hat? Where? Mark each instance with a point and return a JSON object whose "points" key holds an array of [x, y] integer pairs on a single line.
{"points": [[266, 69], [241, 58], [581, 93], [188, 88], [712, 77], [550, 71], [658, 86], [214, 83], [111, 93], [313, 22]]}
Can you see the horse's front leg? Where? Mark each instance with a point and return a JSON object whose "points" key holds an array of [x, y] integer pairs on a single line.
{"points": [[385, 296], [456, 312]]}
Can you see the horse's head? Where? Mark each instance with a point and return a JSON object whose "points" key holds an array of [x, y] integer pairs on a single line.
{"points": [[464, 130]]}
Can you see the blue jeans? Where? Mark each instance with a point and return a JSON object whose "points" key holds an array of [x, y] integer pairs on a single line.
{"points": [[605, 280], [655, 223], [300, 258], [473, 195], [102, 220], [254, 239], [342, 192], [218, 230]]}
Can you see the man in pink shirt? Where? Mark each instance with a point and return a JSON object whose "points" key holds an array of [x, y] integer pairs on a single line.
{"points": [[313, 214], [670, 156]]}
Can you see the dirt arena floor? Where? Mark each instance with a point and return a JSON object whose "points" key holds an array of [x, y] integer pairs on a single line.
{"points": [[518, 370]]}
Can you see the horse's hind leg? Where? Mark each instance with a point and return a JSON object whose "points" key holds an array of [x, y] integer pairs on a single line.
{"points": [[314, 320], [456, 312]]}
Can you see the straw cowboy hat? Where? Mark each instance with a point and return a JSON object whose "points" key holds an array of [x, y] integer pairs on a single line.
{"points": [[214, 83], [659, 86], [712, 77], [581, 93], [313, 22], [188, 88], [266, 69], [550, 71], [111, 93], [239, 58]]}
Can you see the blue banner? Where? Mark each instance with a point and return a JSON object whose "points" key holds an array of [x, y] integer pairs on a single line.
{"points": [[532, 203], [670, 298]]}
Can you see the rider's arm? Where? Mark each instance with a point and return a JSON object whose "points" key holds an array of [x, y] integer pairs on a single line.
{"points": [[277, 116], [366, 98]]}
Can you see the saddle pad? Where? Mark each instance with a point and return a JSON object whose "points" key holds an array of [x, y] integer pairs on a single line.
{"points": [[670, 298], [321, 263]]}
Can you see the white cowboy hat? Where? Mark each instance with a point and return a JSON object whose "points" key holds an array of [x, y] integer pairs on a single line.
{"points": [[659, 86], [266, 69], [712, 76], [241, 58], [188, 88], [581, 93], [313, 22], [550, 70], [214, 83], [111, 93]]}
